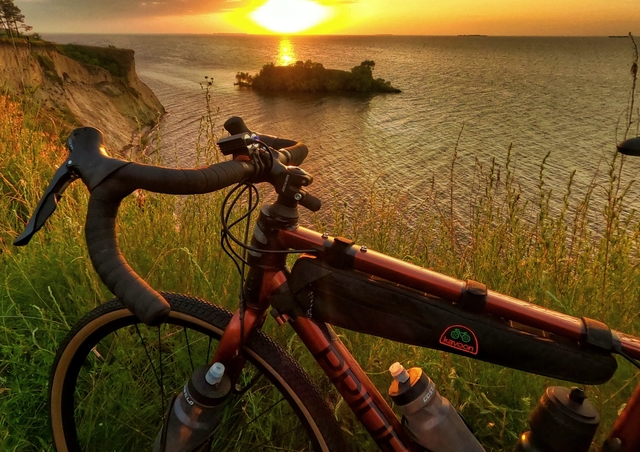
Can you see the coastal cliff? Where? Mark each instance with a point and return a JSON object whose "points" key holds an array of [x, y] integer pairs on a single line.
{"points": [[71, 87]]}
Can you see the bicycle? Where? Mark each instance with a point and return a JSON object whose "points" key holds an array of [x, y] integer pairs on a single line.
{"points": [[333, 282]]}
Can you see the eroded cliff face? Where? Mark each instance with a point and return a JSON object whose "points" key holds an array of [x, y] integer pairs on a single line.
{"points": [[75, 93]]}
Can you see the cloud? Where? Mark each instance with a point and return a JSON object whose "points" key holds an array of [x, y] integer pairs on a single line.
{"points": [[54, 14], [104, 9]]}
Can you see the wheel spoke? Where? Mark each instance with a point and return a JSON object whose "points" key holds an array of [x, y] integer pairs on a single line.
{"points": [[119, 374], [146, 351], [186, 337], [161, 373], [208, 360]]}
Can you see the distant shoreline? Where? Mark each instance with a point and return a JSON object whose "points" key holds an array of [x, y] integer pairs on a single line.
{"points": [[375, 35]]}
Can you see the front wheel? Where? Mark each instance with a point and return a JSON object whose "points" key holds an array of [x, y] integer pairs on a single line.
{"points": [[113, 378]]}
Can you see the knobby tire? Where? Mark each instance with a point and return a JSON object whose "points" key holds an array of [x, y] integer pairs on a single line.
{"points": [[108, 352]]}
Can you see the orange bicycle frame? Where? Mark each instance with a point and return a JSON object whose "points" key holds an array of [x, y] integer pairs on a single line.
{"points": [[356, 388]]}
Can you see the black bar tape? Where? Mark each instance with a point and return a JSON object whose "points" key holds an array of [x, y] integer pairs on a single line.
{"points": [[184, 181], [114, 271], [291, 152], [275, 142], [297, 154]]}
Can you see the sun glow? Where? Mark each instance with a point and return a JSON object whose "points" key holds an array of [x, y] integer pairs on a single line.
{"points": [[289, 16], [286, 55]]}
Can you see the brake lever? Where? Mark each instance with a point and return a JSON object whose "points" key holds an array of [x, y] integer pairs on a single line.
{"points": [[87, 159], [48, 203]]}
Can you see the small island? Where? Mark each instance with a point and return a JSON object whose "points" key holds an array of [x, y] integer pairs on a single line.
{"points": [[315, 78]]}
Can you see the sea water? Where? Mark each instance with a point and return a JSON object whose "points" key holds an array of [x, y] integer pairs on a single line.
{"points": [[474, 95]]}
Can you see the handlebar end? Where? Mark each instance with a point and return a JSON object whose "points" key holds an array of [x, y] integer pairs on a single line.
{"points": [[630, 147], [311, 202], [294, 155]]}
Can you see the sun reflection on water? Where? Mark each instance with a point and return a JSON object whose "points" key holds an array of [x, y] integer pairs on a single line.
{"points": [[286, 55]]}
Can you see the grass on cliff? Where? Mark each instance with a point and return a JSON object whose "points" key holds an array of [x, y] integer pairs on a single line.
{"points": [[116, 61], [513, 245]]}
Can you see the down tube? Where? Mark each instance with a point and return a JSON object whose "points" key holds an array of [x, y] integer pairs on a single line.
{"points": [[361, 395], [626, 427]]}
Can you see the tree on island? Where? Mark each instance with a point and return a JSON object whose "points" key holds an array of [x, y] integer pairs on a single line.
{"points": [[308, 76], [368, 64], [12, 19], [362, 79], [243, 79]]}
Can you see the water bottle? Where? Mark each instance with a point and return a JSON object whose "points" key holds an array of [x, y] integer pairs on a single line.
{"points": [[562, 421], [195, 412], [430, 418]]}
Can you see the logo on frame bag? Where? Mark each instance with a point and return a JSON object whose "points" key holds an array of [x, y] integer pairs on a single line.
{"points": [[461, 338]]}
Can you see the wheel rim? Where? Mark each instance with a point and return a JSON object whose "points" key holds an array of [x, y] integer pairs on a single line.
{"points": [[119, 403]]}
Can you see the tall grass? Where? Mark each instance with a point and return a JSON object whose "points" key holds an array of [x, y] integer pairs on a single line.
{"points": [[514, 243], [49, 284]]}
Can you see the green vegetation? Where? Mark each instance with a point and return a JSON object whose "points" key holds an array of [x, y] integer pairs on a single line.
{"points": [[50, 284], [512, 243], [12, 20], [314, 77], [49, 67], [33, 40], [116, 61], [515, 246]]}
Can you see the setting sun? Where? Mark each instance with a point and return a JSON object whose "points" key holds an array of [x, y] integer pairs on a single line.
{"points": [[289, 16]]}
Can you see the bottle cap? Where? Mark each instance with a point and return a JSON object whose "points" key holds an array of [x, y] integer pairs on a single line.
{"points": [[214, 374], [398, 372], [206, 389]]}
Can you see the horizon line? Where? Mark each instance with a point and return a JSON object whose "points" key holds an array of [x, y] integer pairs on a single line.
{"points": [[334, 35]]}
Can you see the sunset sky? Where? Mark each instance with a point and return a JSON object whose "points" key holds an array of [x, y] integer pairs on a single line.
{"points": [[408, 17]]}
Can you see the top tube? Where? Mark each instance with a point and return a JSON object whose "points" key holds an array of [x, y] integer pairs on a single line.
{"points": [[451, 289]]}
